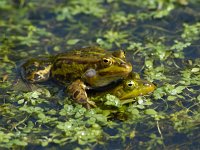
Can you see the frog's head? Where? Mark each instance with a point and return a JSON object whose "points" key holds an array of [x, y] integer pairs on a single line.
{"points": [[131, 88], [110, 68], [34, 70]]}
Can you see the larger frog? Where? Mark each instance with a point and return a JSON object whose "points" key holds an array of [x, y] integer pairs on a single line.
{"points": [[79, 70]]}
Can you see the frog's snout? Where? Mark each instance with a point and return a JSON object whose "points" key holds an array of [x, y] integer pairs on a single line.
{"points": [[128, 66]]}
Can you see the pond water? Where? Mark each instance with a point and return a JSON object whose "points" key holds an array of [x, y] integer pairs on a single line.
{"points": [[161, 40]]}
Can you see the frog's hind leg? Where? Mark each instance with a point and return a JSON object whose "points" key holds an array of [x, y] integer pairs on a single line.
{"points": [[77, 90], [34, 70]]}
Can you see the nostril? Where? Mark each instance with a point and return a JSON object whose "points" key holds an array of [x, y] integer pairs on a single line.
{"points": [[123, 64], [126, 65], [146, 84]]}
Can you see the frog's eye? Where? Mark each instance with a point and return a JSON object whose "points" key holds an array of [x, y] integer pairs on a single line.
{"points": [[130, 84], [107, 61]]}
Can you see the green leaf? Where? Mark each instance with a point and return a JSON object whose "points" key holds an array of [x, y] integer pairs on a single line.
{"points": [[19, 142], [195, 70], [149, 63], [112, 100], [198, 98], [73, 41], [134, 111], [21, 101], [150, 112], [171, 98], [41, 116], [177, 90]]}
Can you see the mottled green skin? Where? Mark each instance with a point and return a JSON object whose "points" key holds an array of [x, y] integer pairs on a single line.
{"points": [[78, 64]]}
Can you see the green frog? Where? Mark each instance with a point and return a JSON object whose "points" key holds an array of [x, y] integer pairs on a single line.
{"points": [[131, 87], [127, 89], [79, 70]]}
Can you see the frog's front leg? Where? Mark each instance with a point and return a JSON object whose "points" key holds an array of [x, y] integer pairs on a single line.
{"points": [[77, 90]]}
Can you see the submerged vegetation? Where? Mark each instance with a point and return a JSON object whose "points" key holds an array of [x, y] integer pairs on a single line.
{"points": [[161, 39]]}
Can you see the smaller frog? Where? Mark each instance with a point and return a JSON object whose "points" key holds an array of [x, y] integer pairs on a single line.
{"points": [[132, 87]]}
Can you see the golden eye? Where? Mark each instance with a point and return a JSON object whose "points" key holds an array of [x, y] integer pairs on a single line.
{"points": [[131, 84], [107, 61]]}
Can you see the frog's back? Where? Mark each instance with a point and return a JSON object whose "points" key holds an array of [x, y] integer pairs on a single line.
{"points": [[73, 64], [88, 54]]}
